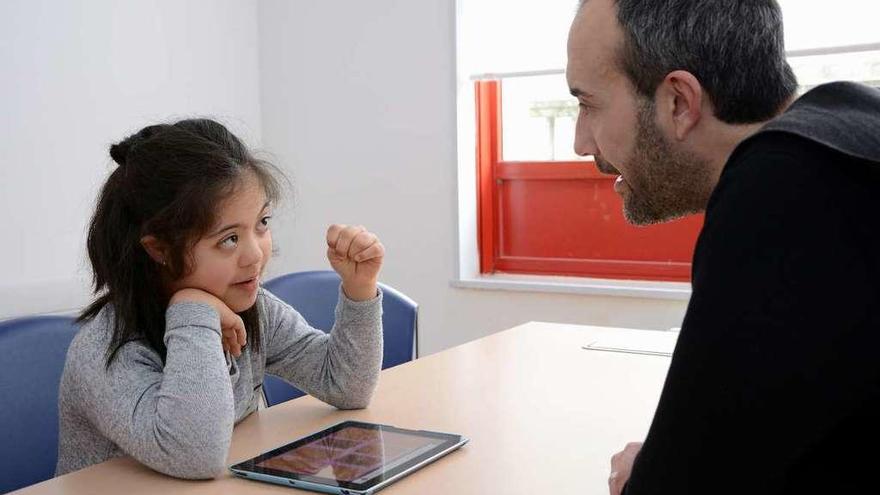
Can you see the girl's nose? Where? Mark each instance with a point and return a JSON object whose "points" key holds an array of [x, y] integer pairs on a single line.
{"points": [[253, 254]]}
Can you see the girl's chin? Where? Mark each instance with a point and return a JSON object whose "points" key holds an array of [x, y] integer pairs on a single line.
{"points": [[240, 304]]}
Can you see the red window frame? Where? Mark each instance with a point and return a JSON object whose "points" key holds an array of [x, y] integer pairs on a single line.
{"points": [[564, 218]]}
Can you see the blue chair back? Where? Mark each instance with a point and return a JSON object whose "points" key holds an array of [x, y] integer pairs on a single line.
{"points": [[315, 293], [32, 353]]}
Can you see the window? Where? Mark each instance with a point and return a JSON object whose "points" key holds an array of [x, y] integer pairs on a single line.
{"points": [[551, 212], [543, 210]]}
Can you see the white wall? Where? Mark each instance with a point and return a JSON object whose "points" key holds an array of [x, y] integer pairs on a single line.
{"points": [[356, 100], [359, 103], [78, 75]]}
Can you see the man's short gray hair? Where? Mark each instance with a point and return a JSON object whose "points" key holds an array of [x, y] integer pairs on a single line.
{"points": [[735, 48]]}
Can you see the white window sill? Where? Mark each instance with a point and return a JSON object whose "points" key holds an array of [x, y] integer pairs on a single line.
{"points": [[680, 291]]}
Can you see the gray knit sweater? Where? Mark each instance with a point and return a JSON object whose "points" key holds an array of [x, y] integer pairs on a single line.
{"points": [[177, 417]]}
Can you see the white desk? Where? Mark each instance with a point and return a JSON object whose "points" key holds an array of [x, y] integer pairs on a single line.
{"points": [[543, 415]]}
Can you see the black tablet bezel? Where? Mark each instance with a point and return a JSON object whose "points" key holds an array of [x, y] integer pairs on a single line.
{"points": [[250, 465]]}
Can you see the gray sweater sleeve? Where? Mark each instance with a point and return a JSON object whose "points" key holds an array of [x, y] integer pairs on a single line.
{"points": [[340, 368], [176, 418]]}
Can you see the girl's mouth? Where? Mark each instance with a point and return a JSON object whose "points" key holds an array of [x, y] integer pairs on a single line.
{"points": [[249, 284]]}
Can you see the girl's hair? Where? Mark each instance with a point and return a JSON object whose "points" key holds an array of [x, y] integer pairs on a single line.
{"points": [[169, 181]]}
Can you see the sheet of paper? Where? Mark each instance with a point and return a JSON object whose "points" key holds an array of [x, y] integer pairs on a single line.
{"points": [[657, 343]]}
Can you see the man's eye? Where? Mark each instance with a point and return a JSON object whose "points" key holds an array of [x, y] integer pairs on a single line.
{"points": [[265, 221], [230, 241]]}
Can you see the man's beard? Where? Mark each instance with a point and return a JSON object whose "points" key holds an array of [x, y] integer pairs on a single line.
{"points": [[665, 183]]}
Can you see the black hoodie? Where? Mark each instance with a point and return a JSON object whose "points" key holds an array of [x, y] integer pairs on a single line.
{"points": [[774, 386]]}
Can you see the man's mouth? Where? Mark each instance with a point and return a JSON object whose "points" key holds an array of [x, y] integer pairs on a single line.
{"points": [[605, 167], [620, 185]]}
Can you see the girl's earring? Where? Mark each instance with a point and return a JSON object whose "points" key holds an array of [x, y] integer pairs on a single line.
{"points": [[164, 263]]}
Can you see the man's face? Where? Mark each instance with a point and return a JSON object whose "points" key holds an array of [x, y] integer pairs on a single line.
{"points": [[657, 179]]}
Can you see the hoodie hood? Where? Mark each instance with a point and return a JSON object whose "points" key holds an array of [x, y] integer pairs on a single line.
{"points": [[844, 116]]}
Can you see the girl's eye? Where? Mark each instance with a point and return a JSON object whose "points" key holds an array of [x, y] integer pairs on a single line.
{"points": [[230, 241], [264, 222]]}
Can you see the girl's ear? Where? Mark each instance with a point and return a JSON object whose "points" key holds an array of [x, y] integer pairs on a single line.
{"points": [[156, 249]]}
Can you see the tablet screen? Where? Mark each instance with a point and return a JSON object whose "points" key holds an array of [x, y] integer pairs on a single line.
{"points": [[351, 454]]}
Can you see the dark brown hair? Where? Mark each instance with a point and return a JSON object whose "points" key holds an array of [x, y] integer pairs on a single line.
{"points": [[169, 180]]}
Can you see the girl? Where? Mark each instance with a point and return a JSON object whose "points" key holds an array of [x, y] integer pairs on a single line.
{"points": [[172, 353]]}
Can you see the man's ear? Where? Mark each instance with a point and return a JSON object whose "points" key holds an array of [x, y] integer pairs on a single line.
{"points": [[156, 249], [680, 101]]}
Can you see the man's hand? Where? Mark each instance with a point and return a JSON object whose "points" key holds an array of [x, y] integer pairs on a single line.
{"points": [[621, 467], [233, 333], [356, 255]]}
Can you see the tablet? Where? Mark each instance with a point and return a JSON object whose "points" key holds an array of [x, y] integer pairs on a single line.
{"points": [[349, 458]]}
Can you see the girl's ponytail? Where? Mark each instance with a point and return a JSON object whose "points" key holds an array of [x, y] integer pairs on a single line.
{"points": [[122, 272]]}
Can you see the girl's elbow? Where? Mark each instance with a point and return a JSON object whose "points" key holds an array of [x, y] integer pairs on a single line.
{"points": [[353, 404], [357, 397], [195, 460], [207, 472], [212, 458], [213, 469], [202, 465]]}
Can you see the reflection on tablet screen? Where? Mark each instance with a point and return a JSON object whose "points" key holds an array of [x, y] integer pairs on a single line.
{"points": [[351, 454]]}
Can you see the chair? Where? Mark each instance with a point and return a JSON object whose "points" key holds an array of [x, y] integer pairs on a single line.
{"points": [[32, 354], [314, 295]]}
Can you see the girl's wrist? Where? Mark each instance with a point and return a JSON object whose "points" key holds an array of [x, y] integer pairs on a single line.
{"points": [[360, 292], [192, 295]]}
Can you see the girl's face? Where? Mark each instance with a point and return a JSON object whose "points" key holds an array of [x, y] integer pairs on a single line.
{"points": [[229, 260]]}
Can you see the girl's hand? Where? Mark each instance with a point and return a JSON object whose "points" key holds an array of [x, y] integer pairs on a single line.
{"points": [[356, 255], [233, 334]]}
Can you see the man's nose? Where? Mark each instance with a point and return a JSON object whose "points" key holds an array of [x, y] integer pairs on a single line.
{"points": [[584, 144]]}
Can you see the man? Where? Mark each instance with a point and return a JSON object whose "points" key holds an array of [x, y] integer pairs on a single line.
{"points": [[774, 386]]}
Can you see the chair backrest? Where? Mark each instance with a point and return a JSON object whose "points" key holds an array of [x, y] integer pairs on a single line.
{"points": [[314, 295], [32, 354]]}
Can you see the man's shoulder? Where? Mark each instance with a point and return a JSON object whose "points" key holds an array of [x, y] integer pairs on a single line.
{"points": [[785, 181], [840, 116], [797, 159], [779, 156]]}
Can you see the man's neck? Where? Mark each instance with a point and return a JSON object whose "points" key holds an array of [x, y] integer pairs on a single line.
{"points": [[726, 137], [731, 137]]}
